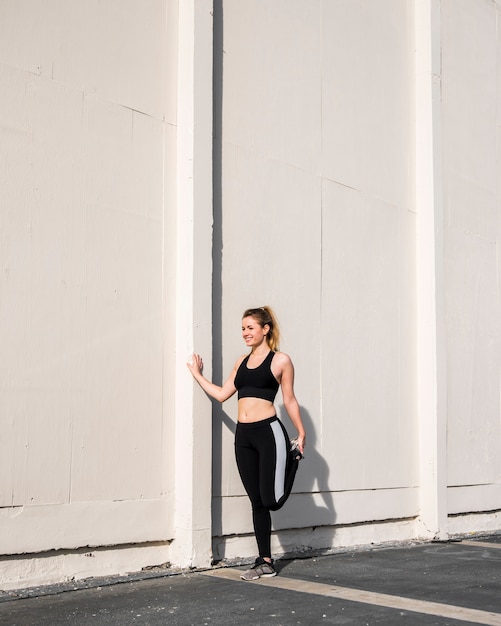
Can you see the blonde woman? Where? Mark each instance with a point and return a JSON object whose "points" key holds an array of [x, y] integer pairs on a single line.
{"points": [[262, 446]]}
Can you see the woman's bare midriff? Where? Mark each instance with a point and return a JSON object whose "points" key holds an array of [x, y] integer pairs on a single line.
{"points": [[254, 410]]}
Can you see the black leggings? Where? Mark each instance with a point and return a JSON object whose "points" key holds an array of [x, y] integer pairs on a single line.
{"points": [[267, 472]]}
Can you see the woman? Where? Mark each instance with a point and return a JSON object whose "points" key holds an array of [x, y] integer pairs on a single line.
{"points": [[262, 446]]}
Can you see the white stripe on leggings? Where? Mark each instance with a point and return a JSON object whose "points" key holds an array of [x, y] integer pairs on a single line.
{"points": [[281, 448]]}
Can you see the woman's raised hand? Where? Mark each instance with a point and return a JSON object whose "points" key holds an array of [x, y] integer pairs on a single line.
{"points": [[195, 365]]}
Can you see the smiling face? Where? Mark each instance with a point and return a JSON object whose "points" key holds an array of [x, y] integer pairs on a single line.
{"points": [[253, 333]]}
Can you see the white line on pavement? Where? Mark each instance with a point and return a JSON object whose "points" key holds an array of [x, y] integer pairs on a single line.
{"points": [[481, 544], [367, 597]]}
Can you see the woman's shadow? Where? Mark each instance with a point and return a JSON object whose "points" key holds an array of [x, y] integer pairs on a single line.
{"points": [[305, 526]]}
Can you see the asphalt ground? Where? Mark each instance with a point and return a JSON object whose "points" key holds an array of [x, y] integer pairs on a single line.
{"points": [[431, 584]]}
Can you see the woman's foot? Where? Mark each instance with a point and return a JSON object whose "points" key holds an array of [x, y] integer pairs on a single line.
{"points": [[260, 569]]}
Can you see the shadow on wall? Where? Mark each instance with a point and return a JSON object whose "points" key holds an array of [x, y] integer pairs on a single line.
{"points": [[220, 419], [305, 524]]}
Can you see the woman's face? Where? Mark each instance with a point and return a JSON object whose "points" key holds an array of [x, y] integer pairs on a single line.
{"points": [[253, 333]]}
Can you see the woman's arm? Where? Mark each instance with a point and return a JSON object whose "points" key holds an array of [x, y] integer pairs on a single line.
{"points": [[289, 398], [214, 391]]}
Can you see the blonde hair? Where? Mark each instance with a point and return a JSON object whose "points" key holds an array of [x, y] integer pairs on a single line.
{"points": [[264, 315]]}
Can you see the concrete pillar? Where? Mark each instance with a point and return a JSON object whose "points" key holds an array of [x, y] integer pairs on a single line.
{"points": [[432, 398], [191, 442]]}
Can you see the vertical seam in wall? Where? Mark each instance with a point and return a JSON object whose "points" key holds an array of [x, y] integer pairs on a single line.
{"points": [[430, 331], [217, 234], [217, 255], [321, 439]]}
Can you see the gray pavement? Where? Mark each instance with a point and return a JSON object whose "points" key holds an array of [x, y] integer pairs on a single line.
{"points": [[432, 584]]}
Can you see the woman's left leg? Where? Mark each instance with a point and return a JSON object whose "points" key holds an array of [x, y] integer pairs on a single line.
{"points": [[272, 448], [276, 467]]}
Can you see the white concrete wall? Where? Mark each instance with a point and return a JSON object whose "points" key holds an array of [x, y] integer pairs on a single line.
{"points": [[318, 221], [106, 207], [471, 58], [355, 190], [361, 201], [84, 125]]}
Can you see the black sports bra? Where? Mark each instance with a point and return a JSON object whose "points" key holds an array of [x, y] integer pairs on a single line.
{"points": [[258, 382]]}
